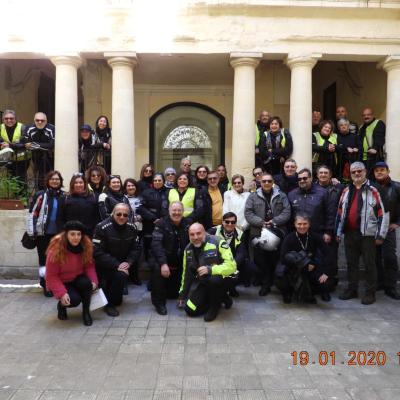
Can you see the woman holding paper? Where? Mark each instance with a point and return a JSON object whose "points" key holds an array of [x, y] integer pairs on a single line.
{"points": [[70, 270]]}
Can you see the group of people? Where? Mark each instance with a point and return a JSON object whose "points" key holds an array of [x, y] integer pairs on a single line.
{"points": [[203, 235], [336, 144], [24, 145]]}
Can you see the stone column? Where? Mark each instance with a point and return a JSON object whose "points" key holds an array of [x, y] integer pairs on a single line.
{"points": [[66, 118], [123, 129], [243, 124], [392, 66], [301, 108]]}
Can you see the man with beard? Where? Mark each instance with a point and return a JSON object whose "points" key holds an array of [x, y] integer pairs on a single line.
{"points": [[208, 266]]}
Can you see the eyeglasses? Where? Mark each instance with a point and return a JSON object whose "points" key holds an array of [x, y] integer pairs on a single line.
{"points": [[40, 120], [230, 222], [305, 178], [122, 215], [213, 178], [9, 118], [170, 174], [357, 171], [267, 181]]}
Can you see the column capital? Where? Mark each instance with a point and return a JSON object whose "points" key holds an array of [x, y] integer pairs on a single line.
{"points": [[73, 60], [245, 59], [121, 59], [390, 63], [309, 60]]}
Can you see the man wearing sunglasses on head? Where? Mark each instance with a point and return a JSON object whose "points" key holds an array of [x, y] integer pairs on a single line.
{"points": [[39, 139], [267, 208], [116, 249]]}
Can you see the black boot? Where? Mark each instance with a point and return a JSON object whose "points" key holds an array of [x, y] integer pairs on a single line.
{"points": [[46, 293], [87, 319], [211, 314], [62, 312]]}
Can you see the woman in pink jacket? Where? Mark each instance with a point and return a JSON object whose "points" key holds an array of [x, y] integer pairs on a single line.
{"points": [[70, 270]]}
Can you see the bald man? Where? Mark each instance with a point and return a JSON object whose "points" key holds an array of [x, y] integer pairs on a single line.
{"points": [[208, 269], [39, 139], [371, 139]]}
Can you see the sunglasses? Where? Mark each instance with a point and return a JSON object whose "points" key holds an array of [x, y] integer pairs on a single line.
{"points": [[8, 118], [266, 181], [357, 171], [212, 178], [170, 174], [122, 215], [95, 176], [114, 176], [303, 179], [230, 222], [77, 174]]}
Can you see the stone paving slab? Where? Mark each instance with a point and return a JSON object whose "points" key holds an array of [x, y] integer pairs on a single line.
{"points": [[244, 355]]}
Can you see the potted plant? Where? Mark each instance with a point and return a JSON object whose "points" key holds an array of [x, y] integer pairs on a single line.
{"points": [[12, 193]]}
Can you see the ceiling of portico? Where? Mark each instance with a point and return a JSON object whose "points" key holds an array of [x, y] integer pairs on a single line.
{"points": [[190, 69]]}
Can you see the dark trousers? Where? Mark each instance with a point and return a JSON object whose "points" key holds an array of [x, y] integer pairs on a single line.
{"points": [[310, 284], [209, 293], [79, 291], [356, 245], [42, 243], [386, 262], [164, 288], [266, 263], [113, 283]]}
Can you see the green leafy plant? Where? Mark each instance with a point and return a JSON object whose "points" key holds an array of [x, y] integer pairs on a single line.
{"points": [[11, 187]]}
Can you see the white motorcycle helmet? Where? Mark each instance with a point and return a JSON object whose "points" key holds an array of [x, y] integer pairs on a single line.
{"points": [[268, 240]]}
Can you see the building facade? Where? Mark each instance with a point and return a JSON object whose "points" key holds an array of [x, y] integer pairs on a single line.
{"points": [[190, 77]]}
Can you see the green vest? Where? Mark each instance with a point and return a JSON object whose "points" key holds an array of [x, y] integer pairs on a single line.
{"points": [[368, 139], [238, 239], [187, 200], [15, 139], [283, 141], [320, 142], [258, 135]]}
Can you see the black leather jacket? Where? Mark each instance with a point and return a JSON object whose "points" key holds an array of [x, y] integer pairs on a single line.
{"points": [[169, 242], [114, 244], [390, 194]]}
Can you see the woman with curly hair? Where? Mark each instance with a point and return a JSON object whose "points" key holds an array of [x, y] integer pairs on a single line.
{"points": [[70, 270]]}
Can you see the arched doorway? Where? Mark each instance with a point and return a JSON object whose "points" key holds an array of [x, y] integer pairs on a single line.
{"points": [[186, 129]]}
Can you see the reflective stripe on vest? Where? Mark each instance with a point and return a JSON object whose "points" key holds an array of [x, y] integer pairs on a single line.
{"points": [[283, 140], [320, 142], [191, 305], [15, 139], [258, 135], [368, 139], [187, 199], [218, 233]]}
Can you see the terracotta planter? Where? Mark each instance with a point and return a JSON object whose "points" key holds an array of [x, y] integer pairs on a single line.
{"points": [[11, 204]]}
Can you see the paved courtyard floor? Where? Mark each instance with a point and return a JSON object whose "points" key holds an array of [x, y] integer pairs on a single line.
{"points": [[244, 354]]}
